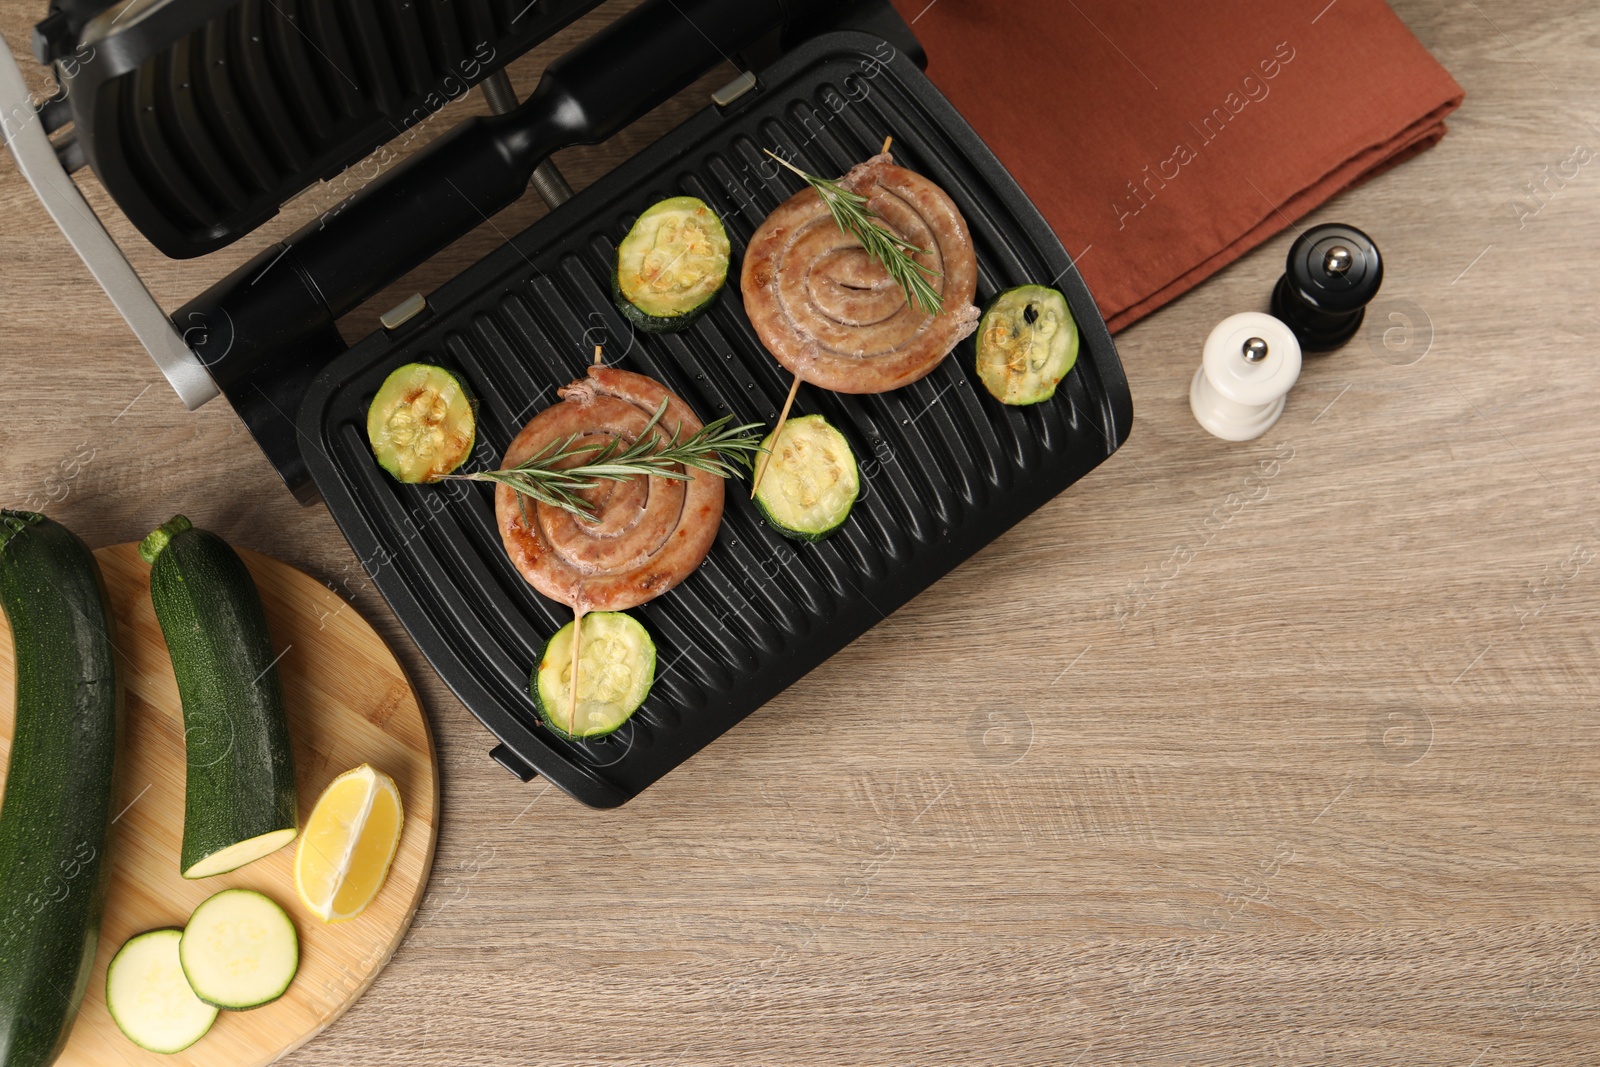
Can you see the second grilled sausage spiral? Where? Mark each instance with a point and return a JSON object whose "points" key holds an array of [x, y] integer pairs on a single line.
{"points": [[831, 314]]}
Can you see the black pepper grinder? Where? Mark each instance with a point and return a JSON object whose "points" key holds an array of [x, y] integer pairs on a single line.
{"points": [[1333, 273]]}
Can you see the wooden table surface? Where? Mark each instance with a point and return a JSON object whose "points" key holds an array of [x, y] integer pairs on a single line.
{"points": [[1198, 765]]}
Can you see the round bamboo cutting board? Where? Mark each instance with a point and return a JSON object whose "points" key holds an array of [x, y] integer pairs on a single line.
{"points": [[349, 703]]}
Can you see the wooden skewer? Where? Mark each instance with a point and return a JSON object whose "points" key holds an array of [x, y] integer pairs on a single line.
{"points": [[783, 417], [887, 141], [577, 621], [577, 644]]}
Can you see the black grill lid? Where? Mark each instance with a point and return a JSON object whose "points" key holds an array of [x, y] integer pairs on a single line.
{"points": [[947, 469], [201, 117]]}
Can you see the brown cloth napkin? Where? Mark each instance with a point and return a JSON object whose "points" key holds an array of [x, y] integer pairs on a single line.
{"points": [[1164, 139]]}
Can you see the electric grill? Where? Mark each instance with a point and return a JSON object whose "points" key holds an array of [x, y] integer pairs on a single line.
{"points": [[172, 90]]}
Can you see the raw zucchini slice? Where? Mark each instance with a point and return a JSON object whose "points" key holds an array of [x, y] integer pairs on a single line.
{"points": [[616, 667], [1027, 342], [422, 423], [240, 853], [672, 265], [240, 950], [811, 480], [150, 999]]}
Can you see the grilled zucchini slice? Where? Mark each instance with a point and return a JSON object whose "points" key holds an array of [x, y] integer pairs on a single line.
{"points": [[422, 423], [672, 265], [1027, 342], [811, 480], [616, 668]]}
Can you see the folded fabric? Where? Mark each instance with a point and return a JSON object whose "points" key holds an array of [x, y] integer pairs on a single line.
{"points": [[1164, 140]]}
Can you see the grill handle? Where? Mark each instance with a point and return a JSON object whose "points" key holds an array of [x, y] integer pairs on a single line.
{"points": [[264, 331]]}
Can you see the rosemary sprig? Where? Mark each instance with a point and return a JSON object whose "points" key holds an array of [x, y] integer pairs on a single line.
{"points": [[852, 215], [718, 448]]}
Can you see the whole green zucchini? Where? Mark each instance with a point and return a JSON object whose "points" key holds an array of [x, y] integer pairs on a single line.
{"points": [[55, 819], [239, 796]]}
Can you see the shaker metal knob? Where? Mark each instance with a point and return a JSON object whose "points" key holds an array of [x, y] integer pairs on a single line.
{"points": [[1251, 362], [1333, 272]]}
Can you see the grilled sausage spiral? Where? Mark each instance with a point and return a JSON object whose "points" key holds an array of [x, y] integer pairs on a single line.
{"points": [[831, 314], [652, 532]]}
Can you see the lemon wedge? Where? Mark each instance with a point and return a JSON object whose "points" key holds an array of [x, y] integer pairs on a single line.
{"points": [[348, 844]]}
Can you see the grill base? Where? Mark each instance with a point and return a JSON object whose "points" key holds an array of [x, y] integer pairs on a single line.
{"points": [[946, 468]]}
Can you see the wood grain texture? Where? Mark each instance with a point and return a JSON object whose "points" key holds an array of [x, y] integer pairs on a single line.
{"points": [[349, 703], [1198, 765]]}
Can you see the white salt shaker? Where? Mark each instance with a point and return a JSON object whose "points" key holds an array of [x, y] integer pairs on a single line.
{"points": [[1251, 361]]}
